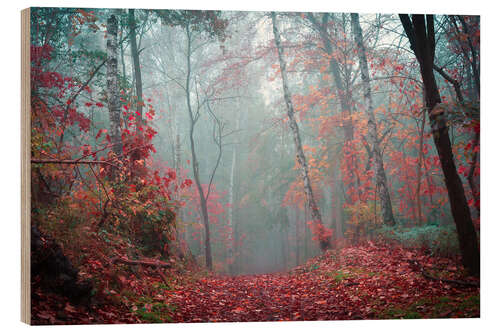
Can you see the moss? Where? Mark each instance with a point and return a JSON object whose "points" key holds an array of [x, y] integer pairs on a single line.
{"points": [[436, 307], [153, 312], [471, 301], [398, 313], [351, 273], [339, 276]]}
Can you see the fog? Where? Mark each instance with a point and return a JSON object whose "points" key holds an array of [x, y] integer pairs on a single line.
{"points": [[212, 89]]}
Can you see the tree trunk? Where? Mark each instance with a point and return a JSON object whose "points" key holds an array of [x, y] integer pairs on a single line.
{"points": [[419, 169], [112, 86], [181, 234], [122, 54], [421, 36], [471, 178], [136, 154], [473, 58], [232, 196], [344, 97], [137, 67], [325, 242], [336, 188], [297, 236], [383, 188], [196, 172]]}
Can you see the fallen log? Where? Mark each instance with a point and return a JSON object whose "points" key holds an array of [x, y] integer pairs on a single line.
{"points": [[143, 262]]}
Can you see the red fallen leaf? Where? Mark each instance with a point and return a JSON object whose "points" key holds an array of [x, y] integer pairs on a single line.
{"points": [[70, 308], [238, 310], [45, 315], [320, 302]]}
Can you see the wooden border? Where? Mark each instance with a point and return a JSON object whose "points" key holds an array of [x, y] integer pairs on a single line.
{"points": [[25, 168]]}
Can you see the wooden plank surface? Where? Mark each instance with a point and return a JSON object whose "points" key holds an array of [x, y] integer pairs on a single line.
{"points": [[25, 167]]}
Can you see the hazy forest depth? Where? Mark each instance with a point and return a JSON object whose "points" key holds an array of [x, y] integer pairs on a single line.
{"points": [[253, 166]]}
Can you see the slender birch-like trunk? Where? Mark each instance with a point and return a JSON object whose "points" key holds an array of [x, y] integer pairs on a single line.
{"points": [[378, 165], [325, 242], [112, 85]]}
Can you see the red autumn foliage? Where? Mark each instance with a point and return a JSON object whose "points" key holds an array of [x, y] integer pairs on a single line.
{"points": [[365, 282]]}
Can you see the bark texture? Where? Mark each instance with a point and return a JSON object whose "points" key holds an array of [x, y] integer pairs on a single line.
{"points": [[378, 163], [112, 85], [420, 32], [325, 242]]}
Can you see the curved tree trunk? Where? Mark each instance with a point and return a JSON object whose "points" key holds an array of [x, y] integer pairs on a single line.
{"points": [[325, 242], [196, 172], [421, 36], [378, 165]]}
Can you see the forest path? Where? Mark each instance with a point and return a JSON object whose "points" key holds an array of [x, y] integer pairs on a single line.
{"points": [[266, 297], [353, 283]]}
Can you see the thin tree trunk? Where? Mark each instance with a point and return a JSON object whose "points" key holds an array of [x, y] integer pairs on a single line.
{"points": [[419, 169], [297, 237], [430, 183], [473, 58], [181, 234], [284, 236], [196, 172], [306, 238], [231, 195], [381, 178], [122, 54], [203, 202], [137, 66], [338, 205], [136, 154], [342, 92], [470, 177], [421, 36], [325, 242], [112, 86]]}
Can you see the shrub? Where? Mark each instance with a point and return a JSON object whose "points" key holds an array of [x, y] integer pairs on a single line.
{"points": [[362, 222], [438, 240]]}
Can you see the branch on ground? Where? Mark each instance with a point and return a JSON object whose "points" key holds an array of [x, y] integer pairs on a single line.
{"points": [[143, 262], [415, 265]]}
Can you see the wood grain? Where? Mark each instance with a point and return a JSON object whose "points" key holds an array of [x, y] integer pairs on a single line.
{"points": [[25, 167]]}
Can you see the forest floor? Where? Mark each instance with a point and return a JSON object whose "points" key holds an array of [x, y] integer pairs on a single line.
{"points": [[362, 282]]}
